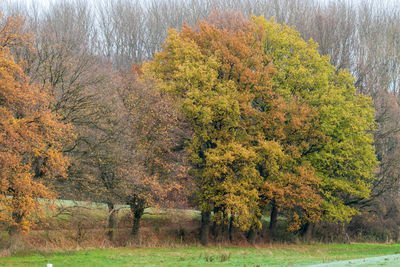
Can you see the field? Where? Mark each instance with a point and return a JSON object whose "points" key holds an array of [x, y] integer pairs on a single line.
{"points": [[274, 255], [71, 237]]}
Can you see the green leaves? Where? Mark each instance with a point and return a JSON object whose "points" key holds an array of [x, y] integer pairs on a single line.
{"points": [[345, 158], [273, 122], [203, 72]]}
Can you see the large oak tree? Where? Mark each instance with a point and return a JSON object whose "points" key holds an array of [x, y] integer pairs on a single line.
{"points": [[31, 138], [274, 124]]}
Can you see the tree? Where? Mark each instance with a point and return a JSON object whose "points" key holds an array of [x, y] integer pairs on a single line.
{"points": [[273, 123], [223, 164], [85, 95], [280, 130], [157, 174], [224, 80], [116, 155], [344, 160], [31, 139]]}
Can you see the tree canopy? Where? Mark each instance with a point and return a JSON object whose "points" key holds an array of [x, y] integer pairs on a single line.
{"points": [[31, 139], [274, 123], [345, 158]]}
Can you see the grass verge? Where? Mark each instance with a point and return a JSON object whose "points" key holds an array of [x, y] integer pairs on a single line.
{"points": [[274, 255]]}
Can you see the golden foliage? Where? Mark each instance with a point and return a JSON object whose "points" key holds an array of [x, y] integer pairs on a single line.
{"points": [[31, 139]]}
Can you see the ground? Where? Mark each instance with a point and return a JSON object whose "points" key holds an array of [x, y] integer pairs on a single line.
{"points": [[170, 238], [274, 255]]}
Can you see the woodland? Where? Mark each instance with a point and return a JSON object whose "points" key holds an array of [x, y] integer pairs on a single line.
{"points": [[267, 121]]}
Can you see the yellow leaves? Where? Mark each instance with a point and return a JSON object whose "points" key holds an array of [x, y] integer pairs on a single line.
{"points": [[11, 31], [271, 117], [337, 211], [30, 138], [333, 131], [223, 79], [231, 181]]}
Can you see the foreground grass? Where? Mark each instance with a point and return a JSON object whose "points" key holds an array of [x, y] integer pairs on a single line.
{"points": [[275, 255]]}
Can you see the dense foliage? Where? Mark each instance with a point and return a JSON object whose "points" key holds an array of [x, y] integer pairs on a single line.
{"points": [[31, 139], [235, 115], [273, 123]]}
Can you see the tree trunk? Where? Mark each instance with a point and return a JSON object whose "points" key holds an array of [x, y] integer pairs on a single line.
{"points": [[13, 230], [135, 226], [346, 238], [205, 227], [112, 222], [251, 236], [137, 206], [214, 225], [17, 217], [219, 233], [231, 229], [308, 231], [273, 219], [225, 227], [15, 234], [218, 226]]}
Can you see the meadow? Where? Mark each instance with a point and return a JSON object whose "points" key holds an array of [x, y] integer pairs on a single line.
{"points": [[273, 255], [75, 236]]}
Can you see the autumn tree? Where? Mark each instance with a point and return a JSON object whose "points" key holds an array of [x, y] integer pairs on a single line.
{"points": [[85, 95], [280, 130], [224, 80], [31, 139], [344, 160], [134, 154], [156, 171], [223, 164], [118, 155], [267, 131]]}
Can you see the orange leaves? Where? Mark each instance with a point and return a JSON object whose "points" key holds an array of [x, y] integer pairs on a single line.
{"points": [[258, 84], [296, 193], [30, 139], [238, 51], [155, 168], [11, 31], [209, 71], [289, 130], [248, 139]]}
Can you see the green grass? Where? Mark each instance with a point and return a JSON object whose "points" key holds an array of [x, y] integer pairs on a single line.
{"points": [[276, 255]]}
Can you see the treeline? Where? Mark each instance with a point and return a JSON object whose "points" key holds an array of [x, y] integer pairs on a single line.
{"points": [[240, 119]]}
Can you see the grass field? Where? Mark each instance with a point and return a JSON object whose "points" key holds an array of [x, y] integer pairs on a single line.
{"points": [[275, 255], [82, 225]]}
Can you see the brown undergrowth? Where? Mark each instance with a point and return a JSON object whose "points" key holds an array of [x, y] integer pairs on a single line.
{"points": [[83, 228]]}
